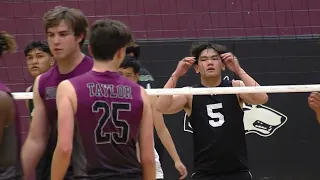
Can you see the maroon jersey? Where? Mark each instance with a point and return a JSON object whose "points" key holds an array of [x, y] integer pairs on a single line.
{"points": [[109, 111], [10, 166], [48, 84]]}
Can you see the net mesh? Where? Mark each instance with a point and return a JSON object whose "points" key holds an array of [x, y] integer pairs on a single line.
{"points": [[173, 20]]}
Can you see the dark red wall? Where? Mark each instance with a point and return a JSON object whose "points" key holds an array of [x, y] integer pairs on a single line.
{"points": [[150, 19]]}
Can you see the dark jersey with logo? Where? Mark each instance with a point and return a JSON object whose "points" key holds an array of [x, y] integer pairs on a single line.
{"points": [[107, 121], [10, 146], [219, 136], [48, 83]]}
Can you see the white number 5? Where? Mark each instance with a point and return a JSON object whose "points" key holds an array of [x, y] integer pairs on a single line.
{"points": [[219, 118]]}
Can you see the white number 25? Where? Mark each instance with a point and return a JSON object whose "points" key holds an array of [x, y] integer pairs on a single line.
{"points": [[217, 119]]}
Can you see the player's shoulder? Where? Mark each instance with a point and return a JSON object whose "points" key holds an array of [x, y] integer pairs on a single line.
{"points": [[5, 88], [65, 87], [6, 100], [88, 61], [48, 74], [81, 77]]}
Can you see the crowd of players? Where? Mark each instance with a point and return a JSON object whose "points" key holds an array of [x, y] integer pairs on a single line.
{"points": [[91, 118]]}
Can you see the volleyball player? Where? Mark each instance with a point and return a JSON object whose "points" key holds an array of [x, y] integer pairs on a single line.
{"points": [[66, 30], [106, 113], [217, 120], [314, 103], [10, 167], [145, 77], [130, 69], [146, 80], [39, 60]]}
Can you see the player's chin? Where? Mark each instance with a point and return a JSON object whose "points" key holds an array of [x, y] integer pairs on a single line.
{"points": [[211, 74], [34, 72], [61, 55]]}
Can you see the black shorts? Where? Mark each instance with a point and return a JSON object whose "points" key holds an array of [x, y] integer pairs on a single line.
{"points": [[242, 175]]}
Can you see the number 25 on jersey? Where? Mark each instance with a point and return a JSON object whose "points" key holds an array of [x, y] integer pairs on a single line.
{"points": [[110, 114], [217, 119]]}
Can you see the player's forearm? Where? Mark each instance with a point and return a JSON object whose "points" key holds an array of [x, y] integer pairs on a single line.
{"points": [[165, 101], [30, 155], [60, 163], [166, 140], [249, 81], [148, 168]]}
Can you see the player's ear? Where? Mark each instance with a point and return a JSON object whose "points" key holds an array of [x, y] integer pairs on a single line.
{"points": [[196, 68], [136, 76], [80, 38], [121, 53], [223, 66]]}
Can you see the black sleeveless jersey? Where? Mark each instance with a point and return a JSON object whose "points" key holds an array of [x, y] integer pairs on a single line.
{"points": [[219, 136]]}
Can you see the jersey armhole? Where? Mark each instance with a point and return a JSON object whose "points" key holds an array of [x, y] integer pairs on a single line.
{"points": [[188, 106]]}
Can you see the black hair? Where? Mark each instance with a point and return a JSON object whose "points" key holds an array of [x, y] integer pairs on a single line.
{"points": [[198, 47], [107, 37], [130, 61], [135, 50], [41, 45]]}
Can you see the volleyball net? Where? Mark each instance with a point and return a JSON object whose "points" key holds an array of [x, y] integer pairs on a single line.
{"points": [[215, 90]]}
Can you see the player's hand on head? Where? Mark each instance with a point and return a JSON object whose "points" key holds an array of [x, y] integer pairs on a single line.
{"points": [[314, 101], [230, 61], [182, 169], [184, 65]]}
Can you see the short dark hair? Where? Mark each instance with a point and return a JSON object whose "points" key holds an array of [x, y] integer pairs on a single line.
{"points": [[135, 49], [198, 47], [130, 61], [41, 45], [75, 18], [7, 43], [107, 37]]}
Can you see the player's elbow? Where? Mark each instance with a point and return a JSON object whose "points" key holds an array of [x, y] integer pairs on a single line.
{"points": [[64, 149], [165, 110], [263, 98], [147, 160], [38, 141], [258, 99], [160, 108]]}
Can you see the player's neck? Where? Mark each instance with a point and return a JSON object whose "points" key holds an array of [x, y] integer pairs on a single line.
{"points": [[211, 82], [67, 65], [103, 66]]}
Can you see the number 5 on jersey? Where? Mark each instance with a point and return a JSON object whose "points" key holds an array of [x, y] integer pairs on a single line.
{"points": [[121, 133], [217, 119]]}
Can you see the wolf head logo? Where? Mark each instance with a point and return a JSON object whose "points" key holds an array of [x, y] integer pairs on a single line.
{"points": [[258, 119], [262, 120]]}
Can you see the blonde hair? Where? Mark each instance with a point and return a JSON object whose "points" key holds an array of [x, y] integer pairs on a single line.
{"points": [[7, 43]]}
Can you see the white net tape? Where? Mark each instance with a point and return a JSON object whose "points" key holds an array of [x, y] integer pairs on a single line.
{"points": [[215, 90]]}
